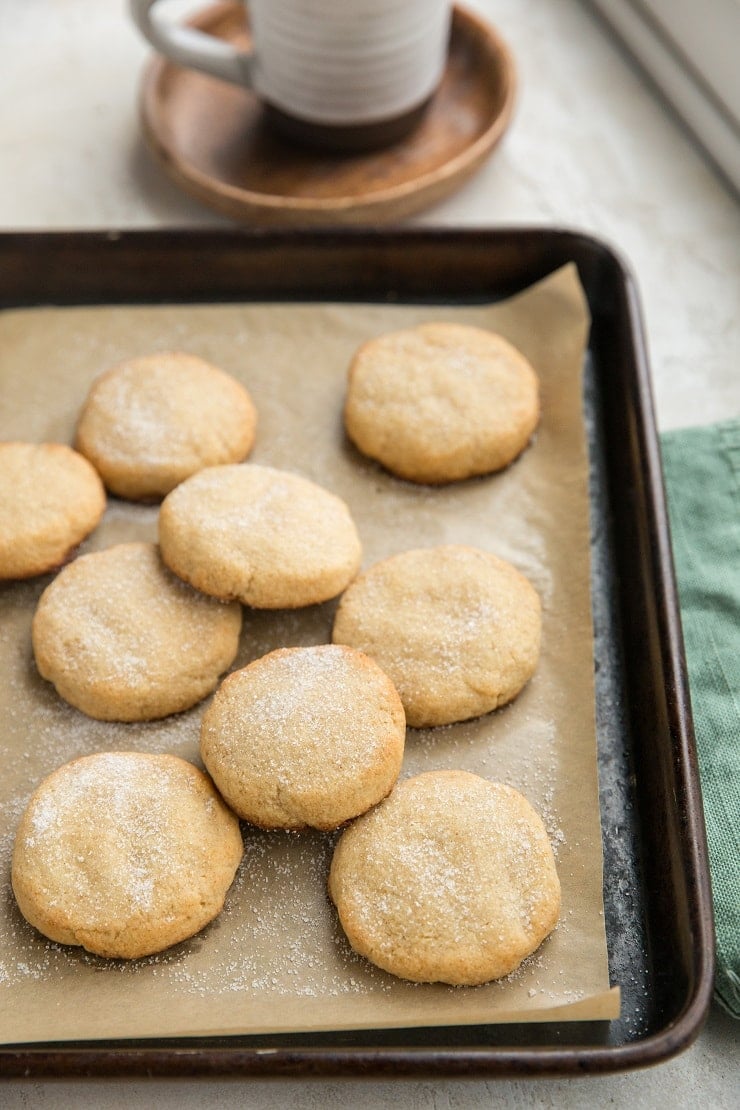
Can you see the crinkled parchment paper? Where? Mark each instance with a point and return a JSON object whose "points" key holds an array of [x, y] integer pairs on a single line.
{"points": [[276, 959]]}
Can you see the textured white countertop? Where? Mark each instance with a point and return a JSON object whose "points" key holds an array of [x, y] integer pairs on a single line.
{"points": [[592, 148]]}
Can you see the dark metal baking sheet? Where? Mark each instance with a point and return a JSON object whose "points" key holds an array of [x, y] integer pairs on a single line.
{"points": [[656, 881]]}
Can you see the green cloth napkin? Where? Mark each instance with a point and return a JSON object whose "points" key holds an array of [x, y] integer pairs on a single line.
{"points": [[702, 477]]}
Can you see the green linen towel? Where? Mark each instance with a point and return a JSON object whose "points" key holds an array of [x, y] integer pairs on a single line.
{"points": [[702, 477]]}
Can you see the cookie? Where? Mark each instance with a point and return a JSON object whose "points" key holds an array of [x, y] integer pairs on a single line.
{"points": [[441, 402], [151, 422], [268, 538], [50, 499], [124, 854], [123, 639], [451, 879], [456, 629], [308, 736]]}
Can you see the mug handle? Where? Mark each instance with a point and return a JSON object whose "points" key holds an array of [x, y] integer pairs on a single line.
{"points": [[191, 48]]}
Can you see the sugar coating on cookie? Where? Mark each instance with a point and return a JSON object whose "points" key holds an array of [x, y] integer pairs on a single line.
{"points": [[308, 736], [456, 628], [124, 639], [51, 498], [451, 879], [441, 402], [150, 422], [269, 538], [124, 853]]}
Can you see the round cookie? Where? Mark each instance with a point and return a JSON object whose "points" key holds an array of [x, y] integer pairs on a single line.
{"points": [[441, 402], [456, 629], [150, 422], [269, 538], [308, 736], [451, 879], [123, 639], [124, 854], [50, 499]]}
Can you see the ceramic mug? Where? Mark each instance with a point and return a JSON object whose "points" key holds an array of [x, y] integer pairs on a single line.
{"points": [[351, 74]]}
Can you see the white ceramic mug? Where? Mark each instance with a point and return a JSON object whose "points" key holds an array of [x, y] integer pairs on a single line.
{"points": [[336, 66]]}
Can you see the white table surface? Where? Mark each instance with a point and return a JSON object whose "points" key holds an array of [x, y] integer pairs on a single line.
{"points": [[592, 148]]}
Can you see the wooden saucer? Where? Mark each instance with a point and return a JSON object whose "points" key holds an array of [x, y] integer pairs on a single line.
{"points": [[212, 139]]}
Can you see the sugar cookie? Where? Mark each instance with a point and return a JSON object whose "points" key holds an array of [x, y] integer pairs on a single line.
{"points": [[50, 499], [308, 736], [269, 538], [441, 402], [455, 628], [150, 422], [123, 639], [124, 854], [451, 879]]}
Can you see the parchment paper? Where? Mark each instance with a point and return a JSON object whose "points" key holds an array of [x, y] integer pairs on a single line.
{"points": [[276, 958]]}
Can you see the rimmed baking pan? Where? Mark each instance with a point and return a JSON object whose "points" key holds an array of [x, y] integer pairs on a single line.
{"points": [[656, 882]]}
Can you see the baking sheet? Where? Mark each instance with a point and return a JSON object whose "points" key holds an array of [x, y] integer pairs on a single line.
{"points": [[275, 959]]}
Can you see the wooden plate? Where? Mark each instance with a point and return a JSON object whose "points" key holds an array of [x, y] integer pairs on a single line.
{"points": [[212, 140]]}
